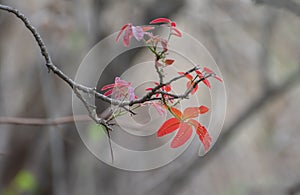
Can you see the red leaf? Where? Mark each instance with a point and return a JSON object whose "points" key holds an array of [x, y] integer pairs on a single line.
{"points": [[168, 88], [108, 93], [177, 112], [199, 73], [168, 127], [190, 77], [109, 86], [208, 71], [202, 133], [191, 84], [194, 90], [183, 135], [148, 89], [122, 29], [173, 24], [190, 112], [169, 61], [205, 81], [160, 20], [203, 109]]}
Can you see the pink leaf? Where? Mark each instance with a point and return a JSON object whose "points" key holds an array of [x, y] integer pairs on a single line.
{"points": [[164, 44], [190, 112], [147, 28], [122, 29], [127, 36], [168, 127], [183, 135], [218, 78], [208, 71], [176, 32], [131, 93], [138, 32], [161, 111], [158, 64]]}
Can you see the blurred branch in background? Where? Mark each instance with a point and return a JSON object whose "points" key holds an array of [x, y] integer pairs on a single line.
{"points": [[294, 189], [284, 4], [269, 25], [43, 121]]}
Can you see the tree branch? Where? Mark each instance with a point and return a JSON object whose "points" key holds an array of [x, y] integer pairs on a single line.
{"points": [[78, 87], [43, 121]]}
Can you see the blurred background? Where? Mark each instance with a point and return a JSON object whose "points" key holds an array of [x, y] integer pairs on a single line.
{"points": [[256, 46]]}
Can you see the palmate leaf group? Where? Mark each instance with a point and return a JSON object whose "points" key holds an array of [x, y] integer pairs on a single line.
{"points": [[185, 123]]}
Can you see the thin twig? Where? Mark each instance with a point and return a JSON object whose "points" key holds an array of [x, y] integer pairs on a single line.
{"points": [[78, 87]]}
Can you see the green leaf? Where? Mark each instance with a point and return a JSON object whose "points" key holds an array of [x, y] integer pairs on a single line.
{"points": [[25, 181]]}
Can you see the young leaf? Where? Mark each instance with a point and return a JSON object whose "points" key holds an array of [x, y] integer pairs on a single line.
{"points": [[202, 133], [160, 20], [207, 83], [203, 109], [218, 78], [190, 77], [183, 135], [190, 84], [108, 92], [147, 28], [190, 112], [121, 31], [169, 61], [138, 32], [177, 112], [127, 36], [176, 32], [109, 86], [208, 71], [168, 127], [168, 88]]}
